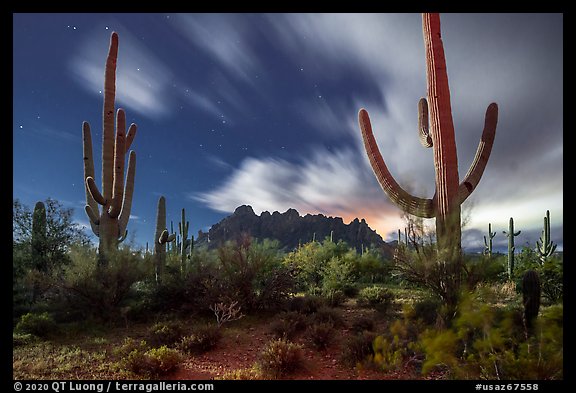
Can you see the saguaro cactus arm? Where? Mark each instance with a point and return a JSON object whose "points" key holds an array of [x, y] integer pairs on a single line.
{"points": [[119, 157], [89, 172], [420, 207], [482, 155], [423, 129], [128, 193]]}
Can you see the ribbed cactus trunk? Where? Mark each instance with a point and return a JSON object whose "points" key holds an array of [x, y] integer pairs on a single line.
{"points": [[109, 223], [184, 241], [436, 130], [442, 134], [511, 248], [161, 238]]}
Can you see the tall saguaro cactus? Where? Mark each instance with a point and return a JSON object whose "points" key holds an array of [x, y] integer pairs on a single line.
{"points": [[436, 130], [109, 223], [161, 237], [545, 247], [511, 234], [488, 242], [184, 241]]}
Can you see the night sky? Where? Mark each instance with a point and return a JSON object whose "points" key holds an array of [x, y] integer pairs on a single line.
{"points": [[262, 110]]}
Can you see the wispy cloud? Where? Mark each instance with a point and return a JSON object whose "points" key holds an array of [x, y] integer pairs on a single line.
{"points": [[143, 81], [222, 36]]}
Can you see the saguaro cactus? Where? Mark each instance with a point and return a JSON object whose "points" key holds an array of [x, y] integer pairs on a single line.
{"points": [[184, 241], [545, 247], [109, 223], [531, 292], [511, 234], [438, 134], [39, 234], [488, 243], [161, 237]]}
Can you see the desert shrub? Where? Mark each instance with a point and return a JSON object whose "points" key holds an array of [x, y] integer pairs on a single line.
{"points": [[485, 342], [362, 324], [280, 357], [87, 290], [328, 315], [337, 297], [550, 272], [397, 345], [152, 362], [377, 297], [40, 325], [339, 274], [358, 349], [252, 373], [252, 274], [427, 310], [487, 269], [306, 304], [166, 333], [202, 339], [320, 335], [288, 325], [22, 339]]}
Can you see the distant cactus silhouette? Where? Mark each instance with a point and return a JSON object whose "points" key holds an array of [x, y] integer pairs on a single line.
{"points": [[488, 242], [161, 237], [545, 247]]}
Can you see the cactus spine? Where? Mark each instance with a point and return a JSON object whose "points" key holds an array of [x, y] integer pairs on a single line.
{"points": [[511, 234], [545, 247], [488, 243], [184, 241], [161, 237], [531, 291], [109, 223], [439, 134]]}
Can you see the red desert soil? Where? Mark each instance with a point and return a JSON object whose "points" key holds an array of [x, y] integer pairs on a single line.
{"points": [[243, 341]]}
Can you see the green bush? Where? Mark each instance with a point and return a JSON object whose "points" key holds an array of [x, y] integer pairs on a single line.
{"points": [[485, 342], [358, 349], [328, 315], [166, 333], [362, 324], [377, 297], [153, 362], [20, 339], [40, 325], [320, 335], [202, 339], [427, 310], [288, 325], [280, 357], [91, 291], [306, 304]]}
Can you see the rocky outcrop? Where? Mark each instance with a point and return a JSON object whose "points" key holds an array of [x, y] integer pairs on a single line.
{"points": [[290, 229]]}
